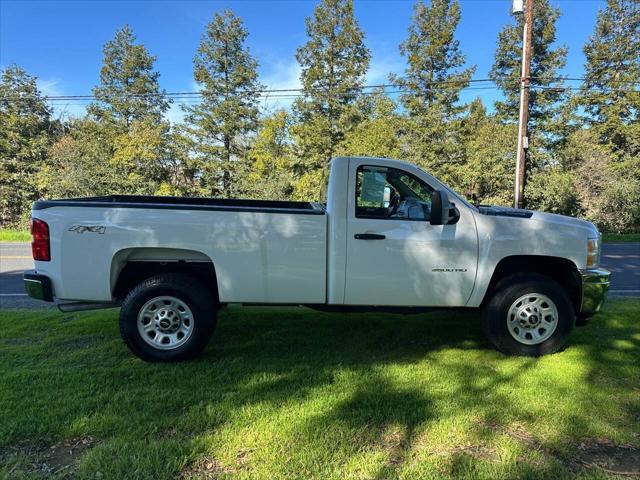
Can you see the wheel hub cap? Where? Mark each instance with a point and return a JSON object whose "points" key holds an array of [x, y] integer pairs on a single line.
{"points": [[532, 318], [165, 322]]}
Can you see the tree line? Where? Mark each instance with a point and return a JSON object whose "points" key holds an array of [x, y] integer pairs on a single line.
{"points": [[584, 142]]}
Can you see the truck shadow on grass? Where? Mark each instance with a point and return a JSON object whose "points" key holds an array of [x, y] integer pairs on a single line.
{"points": [[293, 393]]}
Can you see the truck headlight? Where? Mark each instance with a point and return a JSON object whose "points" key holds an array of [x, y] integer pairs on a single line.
{"points": [[593, 252]]}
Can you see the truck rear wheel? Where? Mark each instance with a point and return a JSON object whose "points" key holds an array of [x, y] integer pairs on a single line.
{"points": [[168, 318], [528, 314]]}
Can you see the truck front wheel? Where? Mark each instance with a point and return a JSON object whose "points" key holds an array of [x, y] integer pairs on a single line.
{"points": [[528, 314], [168, 318]]}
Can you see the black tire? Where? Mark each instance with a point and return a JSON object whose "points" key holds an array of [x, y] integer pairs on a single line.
{"points": [[496, 310], [187, 290]]}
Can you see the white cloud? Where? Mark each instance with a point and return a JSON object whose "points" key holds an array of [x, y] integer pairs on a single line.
{"points": [[286, 75], [49, 87], [175, 114], [281, 75], [62, 109], [380, 68]]}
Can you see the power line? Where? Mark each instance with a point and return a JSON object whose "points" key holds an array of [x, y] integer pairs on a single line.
{"points": [[262, 92], [584, 79], [300, 92], [195, 100], [479, 90]]}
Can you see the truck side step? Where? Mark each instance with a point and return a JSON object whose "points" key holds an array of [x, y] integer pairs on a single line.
{"points": [[80, 306]]}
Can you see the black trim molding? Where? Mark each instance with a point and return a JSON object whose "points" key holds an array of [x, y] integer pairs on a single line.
{"points": [[186, 203]]}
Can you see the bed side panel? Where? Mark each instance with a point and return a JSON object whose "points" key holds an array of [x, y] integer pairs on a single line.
{"points": [[258, 257]]}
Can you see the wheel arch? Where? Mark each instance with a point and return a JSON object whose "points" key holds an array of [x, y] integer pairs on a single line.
{"points": [[130, 266], [562, 270]]}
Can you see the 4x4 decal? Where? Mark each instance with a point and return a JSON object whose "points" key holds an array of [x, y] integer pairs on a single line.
{"points": [[88, 228]]}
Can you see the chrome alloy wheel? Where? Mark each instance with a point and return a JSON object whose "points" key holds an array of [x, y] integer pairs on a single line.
{"points": [[532, 318], [165, 322]]}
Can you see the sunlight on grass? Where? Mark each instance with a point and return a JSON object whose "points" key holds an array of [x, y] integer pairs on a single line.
{"points": [[10, 235], [291, 393]]}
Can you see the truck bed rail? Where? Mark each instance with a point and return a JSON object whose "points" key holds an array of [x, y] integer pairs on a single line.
{"points": [[186, 203]]}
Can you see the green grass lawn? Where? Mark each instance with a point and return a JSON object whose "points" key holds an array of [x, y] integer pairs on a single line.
{"points": [[291, 393], [11, 235], [620, 237]]}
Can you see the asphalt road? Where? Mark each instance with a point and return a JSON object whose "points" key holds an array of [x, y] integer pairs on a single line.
{"points": [[622, 259]]}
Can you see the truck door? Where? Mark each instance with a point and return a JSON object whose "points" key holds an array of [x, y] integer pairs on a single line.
{"points": [[394, 255]]}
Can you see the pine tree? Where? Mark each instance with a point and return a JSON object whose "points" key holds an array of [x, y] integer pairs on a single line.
{"points": [[433, 75], [334, 62], [129, 90], [545, 102], [487, 173], [26, 132], [434, 78], [269, 174], [127, 117], [78, 163], [378, 134], [140, 156], [227, 72], [610, 93]]}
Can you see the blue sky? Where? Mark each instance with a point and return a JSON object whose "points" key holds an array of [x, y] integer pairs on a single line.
{"points": [[61, 42]]}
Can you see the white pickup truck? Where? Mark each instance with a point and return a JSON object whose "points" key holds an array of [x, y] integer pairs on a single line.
{"points": [[391, 237]]}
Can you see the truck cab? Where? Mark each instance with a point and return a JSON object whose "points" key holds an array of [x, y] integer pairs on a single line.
{"points": [[387, 244]]}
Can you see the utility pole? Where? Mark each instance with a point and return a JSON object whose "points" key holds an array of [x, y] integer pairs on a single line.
{"points": [[525, 78]]}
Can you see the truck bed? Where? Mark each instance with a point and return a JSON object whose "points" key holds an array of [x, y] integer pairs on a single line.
{"points": [[186, 203], [261, 251]]}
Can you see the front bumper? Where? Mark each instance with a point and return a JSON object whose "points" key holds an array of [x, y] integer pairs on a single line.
{"points": [[595, 285], [38, 286]]}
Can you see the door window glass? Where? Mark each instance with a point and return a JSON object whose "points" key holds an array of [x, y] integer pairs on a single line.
{"points": [[390, 193]]}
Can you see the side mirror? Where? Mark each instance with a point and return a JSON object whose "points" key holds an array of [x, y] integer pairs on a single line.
{"points": [[443, 212]]}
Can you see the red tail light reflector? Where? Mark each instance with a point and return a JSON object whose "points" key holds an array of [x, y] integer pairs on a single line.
{"points": [[40, 240]]}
